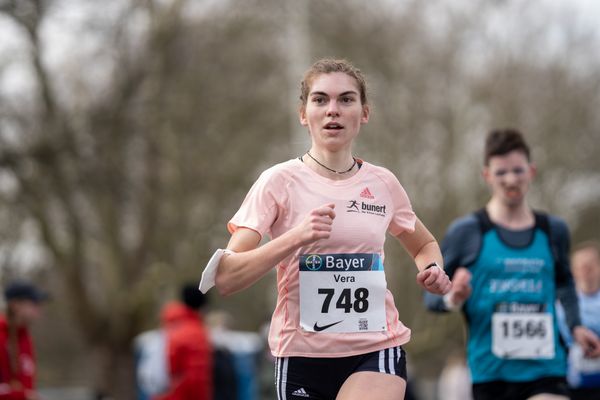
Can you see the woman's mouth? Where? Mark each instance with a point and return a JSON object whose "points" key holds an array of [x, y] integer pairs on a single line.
{"points": [[333, 125]]}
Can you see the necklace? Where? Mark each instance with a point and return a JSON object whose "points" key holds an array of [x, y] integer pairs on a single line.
{"points": [[330, 169]]}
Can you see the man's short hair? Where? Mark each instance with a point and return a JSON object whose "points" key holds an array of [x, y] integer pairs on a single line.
{"points": [[502, 141], [588, 244]]}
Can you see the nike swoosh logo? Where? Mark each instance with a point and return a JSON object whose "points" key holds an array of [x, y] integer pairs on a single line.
{"points": [[318, 328]]}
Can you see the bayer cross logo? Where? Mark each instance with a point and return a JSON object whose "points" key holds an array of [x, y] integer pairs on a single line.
{"points": [[313, 262]]}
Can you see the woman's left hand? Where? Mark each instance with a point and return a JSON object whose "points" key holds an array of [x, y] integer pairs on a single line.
{"points": [[434, 280]]}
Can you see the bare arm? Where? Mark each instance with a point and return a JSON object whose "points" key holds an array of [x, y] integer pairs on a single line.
{"points": [[424, 249], [250, 262]]}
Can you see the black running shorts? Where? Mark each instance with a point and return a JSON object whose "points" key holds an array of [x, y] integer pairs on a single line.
{"points": [[502, 390], [321, 378]]}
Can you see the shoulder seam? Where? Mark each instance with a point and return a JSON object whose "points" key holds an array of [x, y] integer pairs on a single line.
{"points": [[379, 171]]}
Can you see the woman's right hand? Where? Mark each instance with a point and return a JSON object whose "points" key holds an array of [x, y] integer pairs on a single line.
{"points": [[317, 225], [250, 261]]}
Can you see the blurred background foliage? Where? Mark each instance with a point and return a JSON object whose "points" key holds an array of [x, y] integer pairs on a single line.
{"points": [[131, 130]]}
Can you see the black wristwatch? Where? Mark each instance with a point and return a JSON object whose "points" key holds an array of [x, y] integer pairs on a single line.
{"points": [[433, 264]]}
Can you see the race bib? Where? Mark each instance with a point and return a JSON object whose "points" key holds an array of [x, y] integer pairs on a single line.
{"points": [[342, 293], [522, 331]]}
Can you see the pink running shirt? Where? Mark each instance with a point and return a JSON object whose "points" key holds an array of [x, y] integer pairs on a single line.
{"points": [[367, 206]]}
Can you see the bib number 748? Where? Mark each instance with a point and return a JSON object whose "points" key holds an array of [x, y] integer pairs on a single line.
{"points": [[347, 300]]}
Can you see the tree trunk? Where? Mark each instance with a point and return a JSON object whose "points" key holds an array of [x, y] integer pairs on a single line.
{"points": [[115, 373]]}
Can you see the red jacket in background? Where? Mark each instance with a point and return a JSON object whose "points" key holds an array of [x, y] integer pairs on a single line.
{"points": [[189, 354], [15, 384]]}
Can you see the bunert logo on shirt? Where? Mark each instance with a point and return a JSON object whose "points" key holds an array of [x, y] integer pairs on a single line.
{"points": [[355, 206]]}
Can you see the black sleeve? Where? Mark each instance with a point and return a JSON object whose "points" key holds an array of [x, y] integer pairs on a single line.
{"points": [[460, 248], [565, 287]]}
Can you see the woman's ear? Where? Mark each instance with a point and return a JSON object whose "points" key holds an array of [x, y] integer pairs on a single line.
{"points": [[302, 115], [366, 111]]}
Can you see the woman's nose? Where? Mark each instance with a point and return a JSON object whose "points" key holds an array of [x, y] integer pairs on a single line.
{"points": [[332, 109]]}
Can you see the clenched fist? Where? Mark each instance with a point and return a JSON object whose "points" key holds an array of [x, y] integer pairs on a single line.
{"points": [[434, 280], [316, 225]]}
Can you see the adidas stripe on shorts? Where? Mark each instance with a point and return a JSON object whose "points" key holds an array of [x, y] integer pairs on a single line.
{"points": [[321, 378]]}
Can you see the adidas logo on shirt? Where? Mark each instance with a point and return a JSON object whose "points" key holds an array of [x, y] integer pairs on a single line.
{"points": [[366, 193], [300, 393]]}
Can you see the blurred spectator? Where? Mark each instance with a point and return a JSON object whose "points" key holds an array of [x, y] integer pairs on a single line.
{"points": [[17, 358], [583, 372], [225, 375], [152, 374], [188, 347], [176, 362], [238, 356], [455, 379]]}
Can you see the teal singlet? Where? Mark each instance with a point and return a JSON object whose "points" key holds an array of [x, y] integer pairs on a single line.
{"points": [[513, 332]]}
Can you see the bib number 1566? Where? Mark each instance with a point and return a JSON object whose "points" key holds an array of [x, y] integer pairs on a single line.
{"points": [[523, 335], [518, 328], [347, 300]]}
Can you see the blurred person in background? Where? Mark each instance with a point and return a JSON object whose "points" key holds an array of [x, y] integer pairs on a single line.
{"points": [[189, 353], [509, 264], [225, 374], [335, 331], [17, 355], [455, 380], [583, 372]]}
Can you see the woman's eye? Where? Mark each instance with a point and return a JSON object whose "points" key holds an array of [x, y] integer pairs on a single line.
{"points": [[318, 100], [500, 172]]}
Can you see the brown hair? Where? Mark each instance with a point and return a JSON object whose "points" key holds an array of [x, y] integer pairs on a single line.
{"points": [[588, 244], [327, 66], [502, 141]]}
